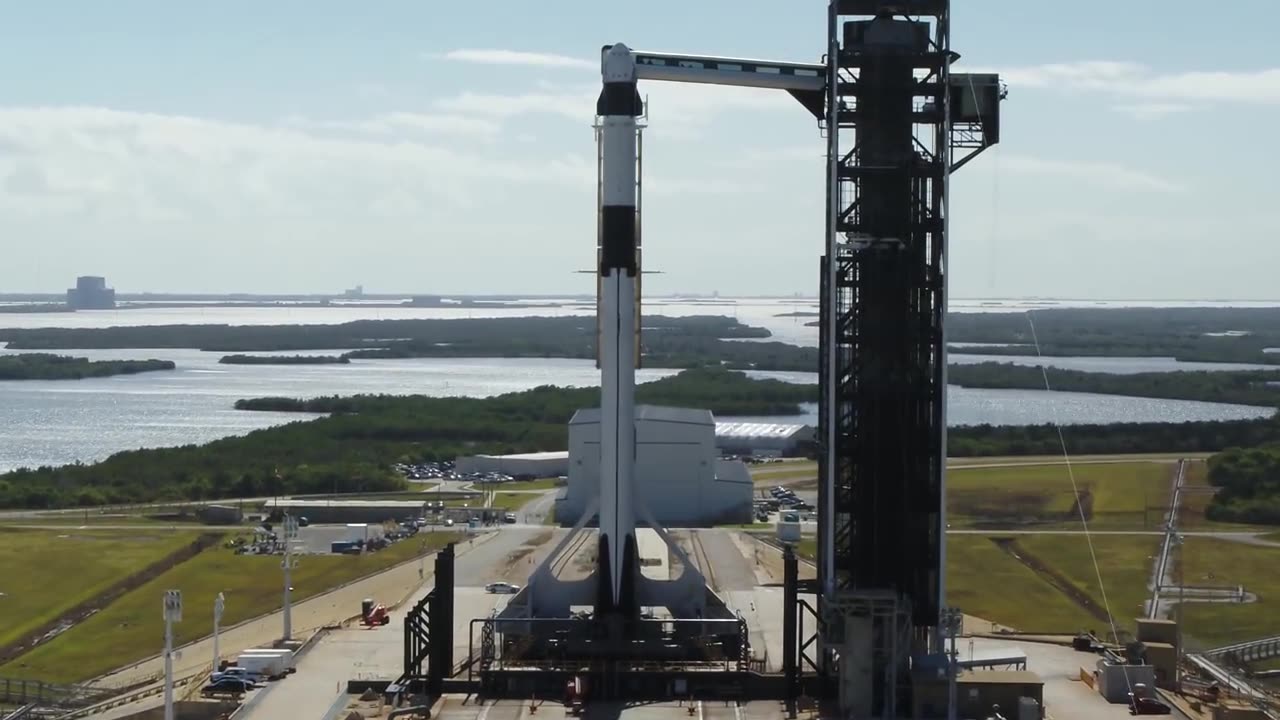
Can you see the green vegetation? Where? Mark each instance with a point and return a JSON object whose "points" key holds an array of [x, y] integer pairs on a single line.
{"points": [[284, 360], [129, 629], [667, 342], [807, 548], [1194, 334], [43, 366], [47, 573], [1241, 387], [353, 451], [1112, 495], [511, 500], [470, 337], [1272, 537], [1125, 563], [1050, 586], [985, 581], [1117, 439], [724, 392], [1216, 562], [1249, 485]]}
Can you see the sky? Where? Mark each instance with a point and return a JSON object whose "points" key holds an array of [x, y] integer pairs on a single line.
{"points": [[432, 147]]}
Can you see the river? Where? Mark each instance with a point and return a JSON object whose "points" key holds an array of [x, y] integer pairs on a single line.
{"points": [[63, 421], [58, 422]]}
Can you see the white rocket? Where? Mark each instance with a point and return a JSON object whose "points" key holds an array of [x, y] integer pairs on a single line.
{"points": [[619, 106]]}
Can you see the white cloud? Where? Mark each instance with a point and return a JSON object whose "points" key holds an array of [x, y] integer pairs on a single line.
{"points": [[1109, 175], [1262, 87], [97, 162], [576, 104], [677, 109], [407, 123], [1134, 79], [1152, 110], [516, 57]]}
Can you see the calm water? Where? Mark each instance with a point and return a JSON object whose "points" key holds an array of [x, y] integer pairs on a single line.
{"points": [[57, 422], [50, 423], [760, 312], [1115, 365]]}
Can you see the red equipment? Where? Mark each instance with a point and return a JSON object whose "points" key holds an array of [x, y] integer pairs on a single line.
{"points": [[373, 614]]}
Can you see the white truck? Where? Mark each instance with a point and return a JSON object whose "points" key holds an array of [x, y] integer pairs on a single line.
{"points": [[286, 655], [273, 666]]}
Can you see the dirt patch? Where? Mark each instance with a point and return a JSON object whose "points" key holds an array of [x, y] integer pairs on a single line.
{"points": [[985, 509], [78, 613], [1050, 575]]}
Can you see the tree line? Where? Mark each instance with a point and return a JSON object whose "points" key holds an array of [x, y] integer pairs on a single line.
{"points": [[44, 366], [354, 447], [284, 360], [1188, 333], [1247, 387], [1249, 485]]}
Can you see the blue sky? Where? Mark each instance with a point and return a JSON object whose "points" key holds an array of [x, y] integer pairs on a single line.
{"points": [[428, 146]]}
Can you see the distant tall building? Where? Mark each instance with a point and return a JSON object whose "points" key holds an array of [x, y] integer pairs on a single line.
{"points": [[91, 293]]}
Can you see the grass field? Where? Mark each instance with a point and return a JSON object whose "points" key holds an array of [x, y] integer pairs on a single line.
{"points": [[1117, 495], [1125, 562], [1273, 537], [75, 520], [131, 628], [986, 581], [46, 573], [1215, 562], [512, 500]]}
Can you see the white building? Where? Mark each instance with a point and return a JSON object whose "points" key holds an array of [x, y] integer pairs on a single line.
{"points": [[538, 464], [678, 476], [768, 439]]}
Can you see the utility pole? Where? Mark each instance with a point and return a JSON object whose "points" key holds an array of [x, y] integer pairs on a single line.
{"points": [[290, 531], [218, 604], [172, 614], [1182, 584]]}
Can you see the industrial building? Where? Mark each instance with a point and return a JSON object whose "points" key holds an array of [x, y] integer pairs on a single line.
{"points": [[350, 511], [91, 293], [538, 464], [678, 476], [763, 439], [1018, 693]]}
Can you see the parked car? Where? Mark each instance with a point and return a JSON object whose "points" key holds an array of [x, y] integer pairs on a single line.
{"points": [[509, 518], [226, 686], [502, 588], [235, 672]]}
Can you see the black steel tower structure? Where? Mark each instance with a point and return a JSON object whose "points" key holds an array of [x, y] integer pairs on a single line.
{"points": [[894, 112]]}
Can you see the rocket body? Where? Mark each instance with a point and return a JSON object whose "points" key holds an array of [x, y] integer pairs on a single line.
{"points": [[618, 106]]}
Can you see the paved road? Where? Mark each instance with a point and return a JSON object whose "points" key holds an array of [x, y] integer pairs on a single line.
{"points": [[731, 570], [328, 609], [534, 511], [353, 653]]}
